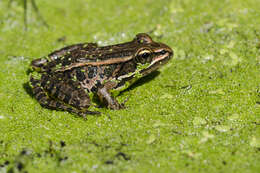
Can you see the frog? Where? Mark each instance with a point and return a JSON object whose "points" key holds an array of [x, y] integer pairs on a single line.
{"points": [[68, 79]]}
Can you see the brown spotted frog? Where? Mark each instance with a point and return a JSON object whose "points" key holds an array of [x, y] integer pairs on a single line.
{"points": [[68, 78]]}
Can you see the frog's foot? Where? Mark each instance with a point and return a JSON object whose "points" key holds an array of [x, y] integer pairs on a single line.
{"points": [[45, 101], [111, 102], [116, 106], [83, 113]]}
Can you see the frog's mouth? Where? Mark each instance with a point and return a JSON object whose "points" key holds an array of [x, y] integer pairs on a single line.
{"points": [[166, 54]]}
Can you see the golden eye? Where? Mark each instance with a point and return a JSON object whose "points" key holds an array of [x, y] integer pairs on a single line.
{"points": [[143, 56], [144, 53]]}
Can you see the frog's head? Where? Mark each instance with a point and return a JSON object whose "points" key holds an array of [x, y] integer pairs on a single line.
{"points": [[147, 56], [150, 55]]}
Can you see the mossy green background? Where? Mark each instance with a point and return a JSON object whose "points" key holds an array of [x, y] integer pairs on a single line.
{"points": [[200, 114]]}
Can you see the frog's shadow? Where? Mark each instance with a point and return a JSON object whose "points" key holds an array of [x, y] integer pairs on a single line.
{"points": [[142, 80]]}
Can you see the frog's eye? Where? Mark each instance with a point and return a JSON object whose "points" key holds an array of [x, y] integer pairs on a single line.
{"points": [[143, 56]]}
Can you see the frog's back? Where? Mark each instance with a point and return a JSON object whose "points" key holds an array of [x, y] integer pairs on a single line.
{"points": [[86, 54]]}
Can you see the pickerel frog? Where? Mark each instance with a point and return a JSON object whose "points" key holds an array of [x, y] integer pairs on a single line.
{"points": [[66, 78]]}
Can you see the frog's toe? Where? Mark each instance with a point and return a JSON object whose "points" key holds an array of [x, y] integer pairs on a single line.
{"points": [[92, 113], [117, 106], [83, 113]]}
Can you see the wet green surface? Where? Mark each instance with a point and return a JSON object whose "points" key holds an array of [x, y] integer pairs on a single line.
{"points": [[200, 114]]}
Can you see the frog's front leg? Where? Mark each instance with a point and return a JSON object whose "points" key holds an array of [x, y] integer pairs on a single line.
{"points": [[105, 96]]}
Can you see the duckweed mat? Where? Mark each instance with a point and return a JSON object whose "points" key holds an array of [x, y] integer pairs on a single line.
{"points": [[199, 113]]}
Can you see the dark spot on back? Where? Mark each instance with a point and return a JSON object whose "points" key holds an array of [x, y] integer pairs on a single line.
{"points": [[98, 83], [67, 99], [92, 71], [101, 75], [50, 87], [109, 70], [80, 75], [44, 80], [56, 92], [77, 102], [66, 62], [71, 83]]}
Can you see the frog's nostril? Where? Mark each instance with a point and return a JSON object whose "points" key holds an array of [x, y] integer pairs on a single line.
{"points": [[163, 52]]}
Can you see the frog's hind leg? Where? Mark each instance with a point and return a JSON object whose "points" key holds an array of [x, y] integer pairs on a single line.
{"points": [[45, 101], [68, 91]]}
